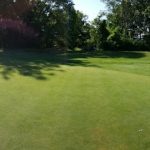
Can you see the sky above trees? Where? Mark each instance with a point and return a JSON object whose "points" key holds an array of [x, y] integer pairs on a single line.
{"points": [[90, 7]]}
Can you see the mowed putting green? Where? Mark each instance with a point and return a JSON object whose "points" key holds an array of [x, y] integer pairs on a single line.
{"points": [[75, 101]]}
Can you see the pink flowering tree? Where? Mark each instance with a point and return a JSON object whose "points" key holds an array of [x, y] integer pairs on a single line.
{"points": [[15, 32]]}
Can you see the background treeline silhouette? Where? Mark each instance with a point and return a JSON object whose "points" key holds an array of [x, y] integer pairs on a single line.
{"points": [[56, 24]]}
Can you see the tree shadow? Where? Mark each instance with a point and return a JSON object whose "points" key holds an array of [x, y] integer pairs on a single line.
{"points": [[110, 54], [123, 54], [33, 64]]}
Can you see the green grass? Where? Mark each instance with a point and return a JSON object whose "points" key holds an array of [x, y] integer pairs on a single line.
{"points": [[75, 101]]}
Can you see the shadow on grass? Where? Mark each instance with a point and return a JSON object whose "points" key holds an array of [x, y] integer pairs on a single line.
{"points": [[34, 63], [110, 54]]}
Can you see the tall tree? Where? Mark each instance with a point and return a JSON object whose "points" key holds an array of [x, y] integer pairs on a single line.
{"points": [[131, 15], [50, 19], [78, 28], [100, 32]]}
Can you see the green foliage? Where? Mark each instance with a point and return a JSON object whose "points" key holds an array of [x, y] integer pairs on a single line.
{"points": [[49, 19], [132, 20], [72, 27], [58, 25], [78, 32], [99, 33], [147, 40], [114, 39]]}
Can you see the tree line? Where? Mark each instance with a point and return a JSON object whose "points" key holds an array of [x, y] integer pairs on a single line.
{"points": [[57, 24]]}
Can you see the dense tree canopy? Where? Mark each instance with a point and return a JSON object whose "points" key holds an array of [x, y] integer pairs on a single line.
{"points": [[133, 16], [14, 8], [56, 23]]}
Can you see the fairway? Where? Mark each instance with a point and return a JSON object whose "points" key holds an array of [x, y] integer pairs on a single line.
{"points": [[75, 101]]}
